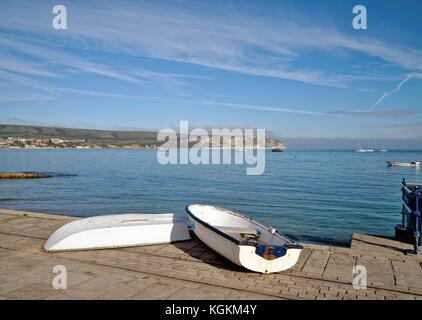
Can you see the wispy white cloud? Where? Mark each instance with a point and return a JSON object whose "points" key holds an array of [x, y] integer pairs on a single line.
{"points": [[407, 125], [60, 57], [225, 38], [24, 96], [51, 92], [24, 67], [264, 108], [250, 107], [174, 82], [24, 82], [377, 114], [17, 88]]}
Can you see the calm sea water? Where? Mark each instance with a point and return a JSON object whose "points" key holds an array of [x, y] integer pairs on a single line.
{"points": [[312, 196]]}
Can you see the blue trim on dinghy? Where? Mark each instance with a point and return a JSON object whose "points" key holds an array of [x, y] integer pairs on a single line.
{"points": [[291, 245], [270, 252]]}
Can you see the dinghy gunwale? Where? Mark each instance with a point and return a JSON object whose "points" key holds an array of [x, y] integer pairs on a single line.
{"points": [[290, 244], [241, 253], [131, 246]]}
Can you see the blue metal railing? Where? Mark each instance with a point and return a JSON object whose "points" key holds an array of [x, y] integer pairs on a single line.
{"points": [[411, 192]]}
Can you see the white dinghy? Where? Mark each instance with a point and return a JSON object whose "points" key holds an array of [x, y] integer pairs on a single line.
{"points": [[242, 240], [121, 230], [403, 164]]}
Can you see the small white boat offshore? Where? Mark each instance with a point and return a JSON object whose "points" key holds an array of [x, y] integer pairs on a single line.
{"points": [[243, 240], [403, 164], [121, 230], [383, 149], [362, 150]]}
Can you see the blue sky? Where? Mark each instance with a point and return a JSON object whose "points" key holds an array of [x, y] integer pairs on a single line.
{"points": [[296, 68]]}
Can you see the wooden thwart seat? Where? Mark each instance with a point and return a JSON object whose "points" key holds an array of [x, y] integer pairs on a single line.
{"points": [[241, 233]]}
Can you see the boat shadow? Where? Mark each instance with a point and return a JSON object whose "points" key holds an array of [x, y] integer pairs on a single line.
{"points": [[198, 251]]}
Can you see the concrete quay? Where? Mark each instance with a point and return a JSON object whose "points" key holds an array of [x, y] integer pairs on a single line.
{"points": [[190, 270]]}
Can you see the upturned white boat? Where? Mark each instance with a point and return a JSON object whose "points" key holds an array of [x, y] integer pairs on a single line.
{"points": [[403, 164], [122, 230], [242, 240]]}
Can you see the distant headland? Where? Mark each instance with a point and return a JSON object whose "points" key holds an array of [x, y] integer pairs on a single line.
{"points": [[38, 137]]}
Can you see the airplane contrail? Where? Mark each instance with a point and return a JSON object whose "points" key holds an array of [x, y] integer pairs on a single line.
{"points": [[396, 89]]}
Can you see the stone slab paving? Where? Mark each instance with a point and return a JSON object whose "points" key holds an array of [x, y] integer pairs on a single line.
{"points": [[189, 270]]}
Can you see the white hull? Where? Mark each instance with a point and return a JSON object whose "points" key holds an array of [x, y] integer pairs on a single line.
{"points": [[363, 150], [403, 164], [210, 225], [123, 230]]}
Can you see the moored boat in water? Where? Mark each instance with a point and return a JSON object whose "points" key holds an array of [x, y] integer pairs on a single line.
{"points": [[362, 150], [242, 240], [383, 149], [121, 230], [403, 164]]}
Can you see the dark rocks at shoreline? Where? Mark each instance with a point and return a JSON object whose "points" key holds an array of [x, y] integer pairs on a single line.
{"points": [[24, 175]]}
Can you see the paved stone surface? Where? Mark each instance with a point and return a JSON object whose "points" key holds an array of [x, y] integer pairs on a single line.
{"points": [[189, 270]]}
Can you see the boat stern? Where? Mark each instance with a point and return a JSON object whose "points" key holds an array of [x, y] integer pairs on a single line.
{"points": [[269, 259]]}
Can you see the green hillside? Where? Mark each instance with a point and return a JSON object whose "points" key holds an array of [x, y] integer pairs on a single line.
{"points": [[94, 136]]}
